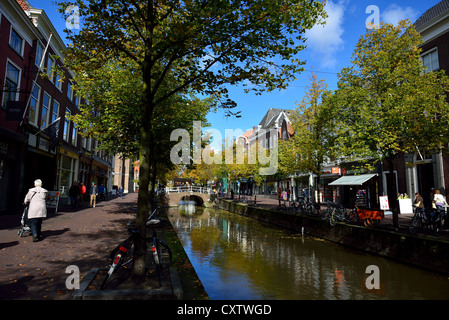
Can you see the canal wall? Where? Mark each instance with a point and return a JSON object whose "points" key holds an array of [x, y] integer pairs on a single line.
{"points": [[420, 250]]}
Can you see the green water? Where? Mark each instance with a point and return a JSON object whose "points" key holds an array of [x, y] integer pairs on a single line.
{"points": [[240, 258]]}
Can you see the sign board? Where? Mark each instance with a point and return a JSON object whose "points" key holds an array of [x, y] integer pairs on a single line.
{"points": [[335, 170], [405, 206], [14, 110], [53, 199], [383, 200]]}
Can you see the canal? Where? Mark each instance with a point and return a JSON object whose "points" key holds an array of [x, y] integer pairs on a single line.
{"points": [[237, 257]]}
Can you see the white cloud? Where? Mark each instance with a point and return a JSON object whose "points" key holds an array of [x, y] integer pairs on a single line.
{"points": [[394, 13], [326, 40]]}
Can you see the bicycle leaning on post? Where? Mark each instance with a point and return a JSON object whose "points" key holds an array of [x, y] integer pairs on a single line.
{"points": [[122, 256]]}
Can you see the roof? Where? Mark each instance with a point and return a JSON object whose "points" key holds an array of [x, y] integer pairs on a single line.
{"points": [[271, 116], [352, 180], [248, 133], [438, 9]]}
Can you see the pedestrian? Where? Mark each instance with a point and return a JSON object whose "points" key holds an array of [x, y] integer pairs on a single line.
{"points": [[74, 191], [36, 198], [120, 192], [82, 193], [439, 200], [232, 193], [101, 190], [432, 193], [419, 203], [93, 191]]}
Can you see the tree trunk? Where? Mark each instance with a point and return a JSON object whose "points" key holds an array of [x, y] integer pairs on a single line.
{"points": [[142, 205], [391, 187], [146, 166]]}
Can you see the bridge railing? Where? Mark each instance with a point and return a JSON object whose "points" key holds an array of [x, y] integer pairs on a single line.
{"points": [[184, 189]]}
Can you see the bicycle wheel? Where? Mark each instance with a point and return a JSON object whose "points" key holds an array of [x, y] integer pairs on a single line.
{"points": [[326, 214], [351, 216], [368, 222], [122, 258], [162, 257], [415, 224], [333, 219]]}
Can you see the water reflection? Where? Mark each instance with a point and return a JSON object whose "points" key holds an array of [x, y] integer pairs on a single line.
{"points": [[187, 207], [241, 258]]}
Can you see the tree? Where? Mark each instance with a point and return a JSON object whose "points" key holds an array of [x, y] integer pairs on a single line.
{"points": [[112, 112], [388, 103], [203, 45], [312, 144]]}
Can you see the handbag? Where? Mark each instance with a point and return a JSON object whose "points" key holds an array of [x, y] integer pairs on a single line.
{"points": [[27, 206]]}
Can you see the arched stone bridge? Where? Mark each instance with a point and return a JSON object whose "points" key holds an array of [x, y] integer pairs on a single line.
{"points": [[173, 196]]}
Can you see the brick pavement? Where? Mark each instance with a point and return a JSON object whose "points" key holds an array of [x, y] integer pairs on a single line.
{"points": [[36, 270]]}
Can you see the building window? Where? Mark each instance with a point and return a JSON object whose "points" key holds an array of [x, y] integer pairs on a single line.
{"points": [[69, 91], [430, 60], [67, 171], [11, 88], [58, 82], [55, 111], [45, 110], [77, 101], [16, 42], [50, 68], [66, 125], [74, 134], [34, 104], [39, 52]]}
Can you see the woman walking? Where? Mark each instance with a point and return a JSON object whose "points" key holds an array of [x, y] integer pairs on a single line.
{"points": [[36, 198]]}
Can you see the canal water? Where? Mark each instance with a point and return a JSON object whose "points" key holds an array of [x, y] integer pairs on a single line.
{"points": [[241, 258]]}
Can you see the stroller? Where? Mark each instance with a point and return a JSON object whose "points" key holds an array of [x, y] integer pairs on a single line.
{"points": [[25, 229]]}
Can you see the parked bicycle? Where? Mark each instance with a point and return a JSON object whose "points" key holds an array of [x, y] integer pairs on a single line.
{"points": [[293, 207], [337, 212], [309, 207], [427, 219], [281, 207], [122, 256], [243, 199]]}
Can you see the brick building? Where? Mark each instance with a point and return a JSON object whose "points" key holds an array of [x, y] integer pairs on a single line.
{"points": [[425, 171], [37, 137]]}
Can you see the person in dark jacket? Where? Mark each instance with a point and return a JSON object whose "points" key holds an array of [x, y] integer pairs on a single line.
{"points": [[74, 192]]}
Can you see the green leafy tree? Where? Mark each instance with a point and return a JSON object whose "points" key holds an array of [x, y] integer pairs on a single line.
{"points": [[388, 103], [313, 142], [203, 45]]}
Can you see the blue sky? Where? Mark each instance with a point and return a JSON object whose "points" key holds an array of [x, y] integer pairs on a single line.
{"points": [[329, 49]]}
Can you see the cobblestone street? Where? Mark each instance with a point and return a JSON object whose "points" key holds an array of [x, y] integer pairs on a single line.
{"points": [[84, 238]]}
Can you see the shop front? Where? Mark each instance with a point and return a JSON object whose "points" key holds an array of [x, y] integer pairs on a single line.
{"points": [[67, 170], [11, 154], [362, 190], [39, 163], [99, 173]]}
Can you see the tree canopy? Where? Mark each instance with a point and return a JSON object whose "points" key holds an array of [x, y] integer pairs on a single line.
{"points": [[191, 47], [313, 141], [388, 103]]}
